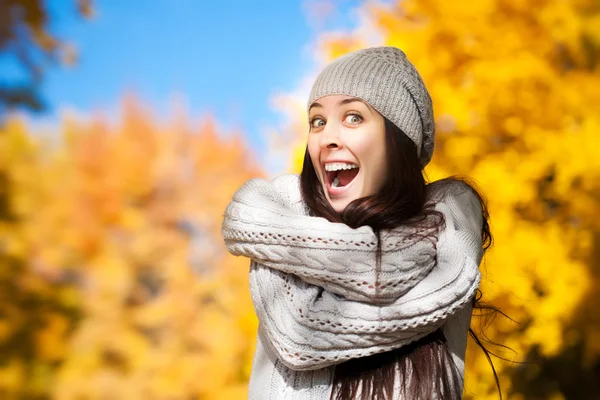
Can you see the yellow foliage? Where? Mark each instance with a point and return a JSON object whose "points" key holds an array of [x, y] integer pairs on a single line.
{"points": [[115, 281]]}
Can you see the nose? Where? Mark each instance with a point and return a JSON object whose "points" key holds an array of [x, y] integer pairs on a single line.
{"points": [[330, 137]]}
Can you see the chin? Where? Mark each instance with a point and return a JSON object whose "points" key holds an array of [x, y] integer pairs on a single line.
{"points": [[340, 203], [339, 208]]}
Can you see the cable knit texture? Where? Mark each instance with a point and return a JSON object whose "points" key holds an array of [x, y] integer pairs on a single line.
{"points": [[318, 297]]}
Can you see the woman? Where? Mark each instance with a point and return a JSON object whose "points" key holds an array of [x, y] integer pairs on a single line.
{"points": [[362, 276]]}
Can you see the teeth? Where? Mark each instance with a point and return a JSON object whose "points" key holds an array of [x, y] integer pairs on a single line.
{"points": [[339, 166], [336, 182]]}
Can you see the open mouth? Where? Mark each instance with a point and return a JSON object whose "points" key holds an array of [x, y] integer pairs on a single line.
{"points": [[340, 175]]}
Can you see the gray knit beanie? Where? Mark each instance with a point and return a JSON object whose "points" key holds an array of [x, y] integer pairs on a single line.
{"points": [[384, 78]]}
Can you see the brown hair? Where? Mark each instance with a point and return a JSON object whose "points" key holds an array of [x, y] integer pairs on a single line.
{"points": [[426, 366]]}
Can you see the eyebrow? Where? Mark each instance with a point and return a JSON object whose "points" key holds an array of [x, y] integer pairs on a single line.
{"points": [[351, 100], [343, 102]]}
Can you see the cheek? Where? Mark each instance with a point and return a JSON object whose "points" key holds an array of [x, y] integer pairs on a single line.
{"points": [[373, 156], [380, 172], [313, 151], [382, 169], [378, 152]]}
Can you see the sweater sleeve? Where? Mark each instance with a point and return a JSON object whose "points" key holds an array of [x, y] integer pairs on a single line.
{"points": [[262, 224], [310, 327]]}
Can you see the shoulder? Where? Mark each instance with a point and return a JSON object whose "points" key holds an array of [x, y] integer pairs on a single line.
{"points": [[449, 187], [464, 213], [462, 200], [288, 186], [286, 182], [281, 192]]}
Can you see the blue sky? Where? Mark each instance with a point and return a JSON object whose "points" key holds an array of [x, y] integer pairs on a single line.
{"points": [[224, 57]]}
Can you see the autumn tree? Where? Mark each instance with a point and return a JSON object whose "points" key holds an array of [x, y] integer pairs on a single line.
{"points": [[27, 44], [516, 88], [114, 281]]}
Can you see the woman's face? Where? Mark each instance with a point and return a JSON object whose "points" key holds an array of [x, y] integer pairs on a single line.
{"points": [[346, 143]]}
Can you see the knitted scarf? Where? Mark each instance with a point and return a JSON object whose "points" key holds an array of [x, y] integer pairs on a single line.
{"points": [[314, 285]]}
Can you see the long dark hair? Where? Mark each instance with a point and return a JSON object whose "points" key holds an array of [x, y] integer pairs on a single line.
{"points": [[426, 366]]}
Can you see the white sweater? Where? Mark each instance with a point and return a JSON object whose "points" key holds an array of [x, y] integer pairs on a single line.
{"points": [[316, 295]]}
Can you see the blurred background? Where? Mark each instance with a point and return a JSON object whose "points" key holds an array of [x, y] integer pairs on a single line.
{"points": [[125, 128]]}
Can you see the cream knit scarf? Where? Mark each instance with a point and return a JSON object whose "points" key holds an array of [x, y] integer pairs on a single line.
{"points": [[314, 285]]}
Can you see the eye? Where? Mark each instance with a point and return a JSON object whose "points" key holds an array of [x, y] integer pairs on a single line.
{"points": [[317, 122], [353, 119]]}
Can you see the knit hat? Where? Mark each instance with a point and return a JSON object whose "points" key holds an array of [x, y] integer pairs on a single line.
{"points": [[384, 78]]}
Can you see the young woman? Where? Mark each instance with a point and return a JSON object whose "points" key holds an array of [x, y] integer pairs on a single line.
{"points": [[362, 275]]}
